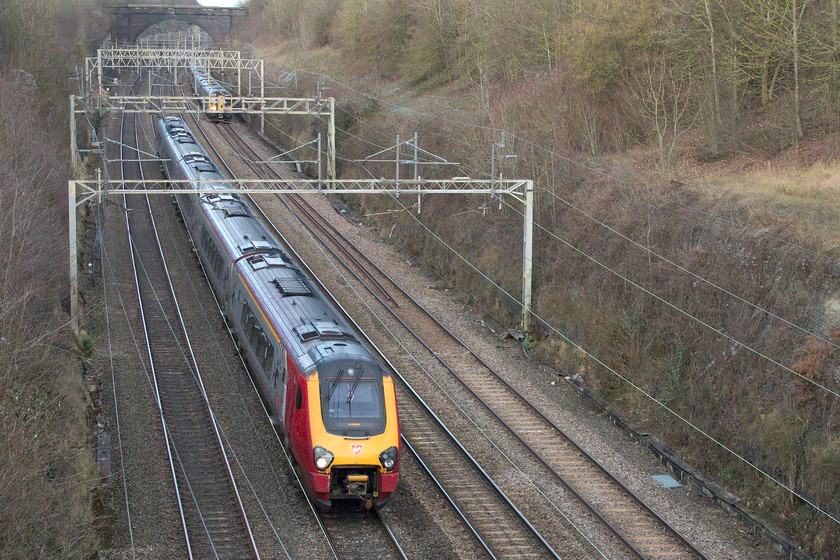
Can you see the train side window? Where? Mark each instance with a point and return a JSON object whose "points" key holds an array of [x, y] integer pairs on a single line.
{"points": [[249, 326], [260, 347], [281, 365], [298, 399], [269, 356], [255, 338], [245, 311]]}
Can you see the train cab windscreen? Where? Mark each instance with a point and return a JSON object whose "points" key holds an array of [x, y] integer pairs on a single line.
{"points": [[352, 402]]}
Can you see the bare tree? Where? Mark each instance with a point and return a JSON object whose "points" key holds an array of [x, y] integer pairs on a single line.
{"points": [[797, 10], [772, 38], [661, 91]]}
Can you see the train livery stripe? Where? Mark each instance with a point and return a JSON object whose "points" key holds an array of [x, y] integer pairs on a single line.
{"points": [[258, 306]]}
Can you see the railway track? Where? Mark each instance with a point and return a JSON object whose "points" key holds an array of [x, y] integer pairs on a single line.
{"points": [[350, 535], [500, 529], [213, 520], [358, 535], [640, 530]]}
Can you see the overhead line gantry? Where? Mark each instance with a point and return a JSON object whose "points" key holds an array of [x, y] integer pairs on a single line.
{"points": [[97, 98]]}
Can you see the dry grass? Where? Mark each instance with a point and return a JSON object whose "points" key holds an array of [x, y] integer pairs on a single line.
{"points": [[47, 467], [783, 424], [805, 197], [797, 185]]}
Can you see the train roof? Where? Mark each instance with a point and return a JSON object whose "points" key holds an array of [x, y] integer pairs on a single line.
{"points": [[309, 326], [207, 82], [178, 136]]}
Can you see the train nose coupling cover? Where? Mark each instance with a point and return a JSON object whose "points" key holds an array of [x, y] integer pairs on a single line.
{"points": [[357, 483]]}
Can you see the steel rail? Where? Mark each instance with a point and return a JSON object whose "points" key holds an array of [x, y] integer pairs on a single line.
{"points": [[171, 444], [148, 346], [264, 170], [430, 413], [167, 432], [197, 372], [541, 416], [534, 408], [524, 400], [243, 361], [236, 345], [313, 509], [324, 526], [449, 498], [450, 436], [464, 453], [394, 541], [379, 542], [331, 543]]}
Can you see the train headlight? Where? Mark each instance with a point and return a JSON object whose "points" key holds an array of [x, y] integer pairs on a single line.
{"points": [[321, 458], [388, 458]]}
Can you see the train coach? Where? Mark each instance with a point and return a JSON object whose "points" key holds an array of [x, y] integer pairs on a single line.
{"points": [[215, 99], [333, 403]]}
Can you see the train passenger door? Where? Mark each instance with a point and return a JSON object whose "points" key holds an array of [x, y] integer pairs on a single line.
{"points": [[280, 385]]}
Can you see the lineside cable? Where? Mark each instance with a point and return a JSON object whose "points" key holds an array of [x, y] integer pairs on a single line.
{"points": [[700, 278], [454, 401], [628, 381]]}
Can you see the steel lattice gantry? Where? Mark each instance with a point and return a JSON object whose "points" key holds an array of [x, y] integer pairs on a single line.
{"points": [[162, 104], [80, 192], [136, 58]]}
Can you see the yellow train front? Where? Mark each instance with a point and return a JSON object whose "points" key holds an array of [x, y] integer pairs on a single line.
{"points": [[344, 428], [326, 391], [215, 98], [217, 104]]}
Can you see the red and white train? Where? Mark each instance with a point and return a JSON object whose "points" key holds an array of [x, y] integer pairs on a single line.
{"points": [[333, 402]]}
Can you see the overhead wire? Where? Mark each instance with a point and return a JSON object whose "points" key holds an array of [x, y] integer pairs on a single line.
{"points": [[452, 399], [574, 162], [638, 388], [252, 422], [265, 453], [219, 426], [114, 390], [676, 308], [645, 290], [166, 429], [167, 433], [689, 272]]}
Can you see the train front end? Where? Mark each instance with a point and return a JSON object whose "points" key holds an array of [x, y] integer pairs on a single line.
{"points": [[355, 452], [218, 105]]}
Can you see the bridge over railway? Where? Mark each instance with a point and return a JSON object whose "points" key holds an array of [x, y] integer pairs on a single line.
{"points": [[128, 22]]}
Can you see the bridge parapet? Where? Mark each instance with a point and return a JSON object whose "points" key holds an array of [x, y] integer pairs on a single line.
{"points": [[128, 22]]}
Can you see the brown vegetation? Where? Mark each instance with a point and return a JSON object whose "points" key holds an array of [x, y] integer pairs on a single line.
{"points": [[669, 106], [46, 472]]}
